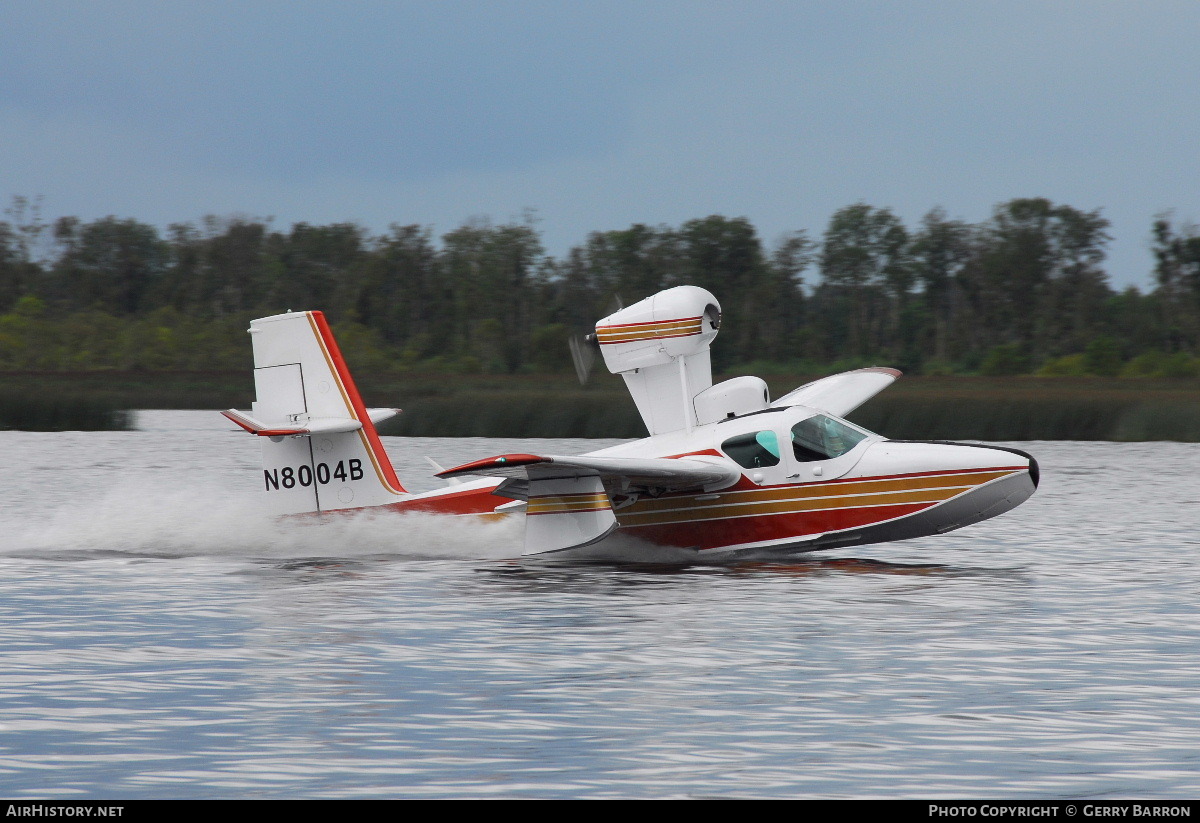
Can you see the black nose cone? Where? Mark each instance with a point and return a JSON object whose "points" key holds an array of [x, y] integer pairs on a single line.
{"points": [[1035, 473]]}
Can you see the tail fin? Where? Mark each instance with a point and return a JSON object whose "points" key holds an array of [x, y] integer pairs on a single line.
{"points": [[320, 448]]}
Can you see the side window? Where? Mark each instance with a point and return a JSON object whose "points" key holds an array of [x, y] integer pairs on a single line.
{"points": [[753, 450], [822, 438]]}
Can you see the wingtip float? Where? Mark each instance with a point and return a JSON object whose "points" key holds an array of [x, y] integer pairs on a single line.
{"points": [[725, 473]]}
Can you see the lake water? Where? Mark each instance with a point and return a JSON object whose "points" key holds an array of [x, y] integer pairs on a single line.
{"points": [[160, 638]]}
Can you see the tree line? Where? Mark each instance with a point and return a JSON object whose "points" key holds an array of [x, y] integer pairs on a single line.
{"points": [[1024, 291]]}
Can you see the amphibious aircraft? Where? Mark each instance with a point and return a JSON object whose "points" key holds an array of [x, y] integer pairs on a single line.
{"points": [[726, 471]]}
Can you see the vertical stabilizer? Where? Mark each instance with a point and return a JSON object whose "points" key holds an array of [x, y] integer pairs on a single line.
{"points": [[320, 448]]}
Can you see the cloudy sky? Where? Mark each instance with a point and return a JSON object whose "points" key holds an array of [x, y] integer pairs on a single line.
{"points": [[602, 114]]}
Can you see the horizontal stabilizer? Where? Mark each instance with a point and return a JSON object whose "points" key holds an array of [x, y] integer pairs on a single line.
{"points": [[706, 472], [302, 427], [379, 415], [842, 393]]}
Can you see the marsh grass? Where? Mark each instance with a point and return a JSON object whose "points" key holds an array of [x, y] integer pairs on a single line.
{"points": [[925, 408], [920, 408], [1036, 409], [519, 414], [60, 412], [95, 401]]}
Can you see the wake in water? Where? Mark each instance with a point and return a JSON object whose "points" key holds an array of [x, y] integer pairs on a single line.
{"points": [[148, 520], [157, 519]]}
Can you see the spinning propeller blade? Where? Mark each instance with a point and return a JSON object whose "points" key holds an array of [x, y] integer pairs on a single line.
{"points": [[585, 346], [583, 355]]}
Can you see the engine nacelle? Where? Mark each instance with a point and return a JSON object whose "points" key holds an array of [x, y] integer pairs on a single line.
{"points": [[660, 347], [655, 331]]}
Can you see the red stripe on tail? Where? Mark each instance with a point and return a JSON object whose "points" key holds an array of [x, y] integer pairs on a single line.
{"points": [[356, 402]]}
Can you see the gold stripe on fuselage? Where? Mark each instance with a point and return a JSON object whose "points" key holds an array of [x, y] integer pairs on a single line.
{"points": [[837, 489], [812, 497], [567, 503]]}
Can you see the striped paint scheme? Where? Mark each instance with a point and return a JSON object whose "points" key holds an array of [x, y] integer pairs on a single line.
{"points": [[567, 503], [633, 332], [909, 492], [354, 404]]}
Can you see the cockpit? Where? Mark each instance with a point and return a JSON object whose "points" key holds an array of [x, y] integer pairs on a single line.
{"points": [[816, 437], [823, 438]]}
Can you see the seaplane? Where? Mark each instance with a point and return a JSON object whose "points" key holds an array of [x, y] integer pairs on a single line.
{"points": [[726, 473]]}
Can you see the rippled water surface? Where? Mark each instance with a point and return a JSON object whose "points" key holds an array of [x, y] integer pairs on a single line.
{"points": [[160, 637]]}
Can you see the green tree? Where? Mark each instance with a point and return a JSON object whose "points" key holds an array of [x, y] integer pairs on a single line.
{"points": [[320, 267], [1177, 272], [631, 264], [550, 348], [725, 256], [1103, 357], [15, 271], [224, 267], [940, 250], [865, 257], [491, 273], [780, 301], [401, 292], [110, 264], [1036, 278]]}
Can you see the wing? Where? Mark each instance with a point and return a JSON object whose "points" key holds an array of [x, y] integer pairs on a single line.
{"points": [[842, 393], [666, 473], [567, 501]]}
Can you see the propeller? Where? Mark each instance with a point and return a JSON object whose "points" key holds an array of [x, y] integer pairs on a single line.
{"points": [[583, 355], [584, 347]]}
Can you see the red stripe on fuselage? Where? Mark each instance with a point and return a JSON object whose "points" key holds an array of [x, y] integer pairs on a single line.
{"points": [[713, 534], [472, 501]]}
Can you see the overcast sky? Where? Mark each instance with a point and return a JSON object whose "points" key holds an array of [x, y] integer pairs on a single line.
{"points": [[602, 114]]}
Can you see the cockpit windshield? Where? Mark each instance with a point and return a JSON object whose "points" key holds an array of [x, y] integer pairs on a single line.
{"points": [[822, 438]]}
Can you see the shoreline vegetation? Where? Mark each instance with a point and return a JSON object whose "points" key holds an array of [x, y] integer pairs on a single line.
{"points": [[436, 405], [1007, 329]]}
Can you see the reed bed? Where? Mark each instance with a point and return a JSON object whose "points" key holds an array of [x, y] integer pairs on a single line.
{"points": [[980, 417], [921, 408], [985, 409], [1035, 409], [519, 414], [138, 390], [60, 412]]}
